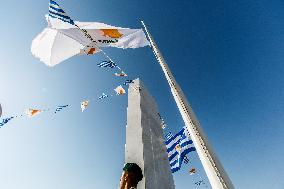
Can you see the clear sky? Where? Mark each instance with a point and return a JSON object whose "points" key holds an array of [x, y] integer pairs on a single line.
{"points": [[226, 55]]}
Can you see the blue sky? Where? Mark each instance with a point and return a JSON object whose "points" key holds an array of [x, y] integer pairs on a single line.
{"points": [[226, 55]]}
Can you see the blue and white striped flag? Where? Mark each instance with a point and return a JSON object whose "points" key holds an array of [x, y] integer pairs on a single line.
{"points": [[127, 82], [104, 64], [199, 182], [5, 121], [177, 147], [56, 12], [103, 96], [59, 108], [169, 135]]}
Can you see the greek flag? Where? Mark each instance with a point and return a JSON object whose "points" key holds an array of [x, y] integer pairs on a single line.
{"points": [[105, 64], [169, 135], [199, 182], [186, 160], [5, 121], [103, 96], [177, 147], [127, 82], [56, 12], [59, 108]]}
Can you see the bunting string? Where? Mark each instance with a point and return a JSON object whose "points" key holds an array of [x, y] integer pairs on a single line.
{"points": [[31, 112]]}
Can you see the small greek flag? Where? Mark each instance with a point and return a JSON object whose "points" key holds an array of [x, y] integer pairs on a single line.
{"points": [[56, 12], [103, 96], [186, 160], [169, 135], [127, 82], [5, 121], [59, 108], [199, 182], [104, 64], [177, 147]]}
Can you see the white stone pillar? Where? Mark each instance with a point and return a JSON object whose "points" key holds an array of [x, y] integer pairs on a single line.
{"points": [[144, 139]]}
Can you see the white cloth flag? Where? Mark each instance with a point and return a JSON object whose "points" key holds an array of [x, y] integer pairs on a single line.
{"points": [[60, 40], [120, 90], [32, 112], [84, 105]]}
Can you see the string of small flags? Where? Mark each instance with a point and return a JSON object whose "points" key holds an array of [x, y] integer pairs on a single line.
{"points": [[32, 112], [84, 104], [111, 64]]}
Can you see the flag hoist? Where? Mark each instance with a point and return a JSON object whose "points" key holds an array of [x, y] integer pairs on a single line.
{"points": [[212, 166]]}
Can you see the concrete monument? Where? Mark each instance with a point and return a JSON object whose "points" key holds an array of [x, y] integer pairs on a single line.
{"points": [[144, 139]]}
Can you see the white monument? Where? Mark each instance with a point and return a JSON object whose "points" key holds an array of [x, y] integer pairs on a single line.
{"points": [[144, 139]]}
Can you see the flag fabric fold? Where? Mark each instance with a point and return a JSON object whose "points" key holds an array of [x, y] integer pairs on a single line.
{"points": [[177, 147]]}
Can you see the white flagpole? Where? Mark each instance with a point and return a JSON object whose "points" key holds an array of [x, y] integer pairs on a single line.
{"points": [[212, 166]]}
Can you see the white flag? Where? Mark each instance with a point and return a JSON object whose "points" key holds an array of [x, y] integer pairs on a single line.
{"points": [[84, 105], [32, 112], [119, 90], [60, 40]]}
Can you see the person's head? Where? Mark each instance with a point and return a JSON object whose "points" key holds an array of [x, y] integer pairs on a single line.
{"points": [[131, 175]]}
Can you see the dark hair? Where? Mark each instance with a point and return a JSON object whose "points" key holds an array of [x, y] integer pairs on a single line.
{"points": [[135, 169]]}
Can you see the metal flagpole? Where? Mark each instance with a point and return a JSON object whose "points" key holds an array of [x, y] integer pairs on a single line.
{"points": [[213, 168]]}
